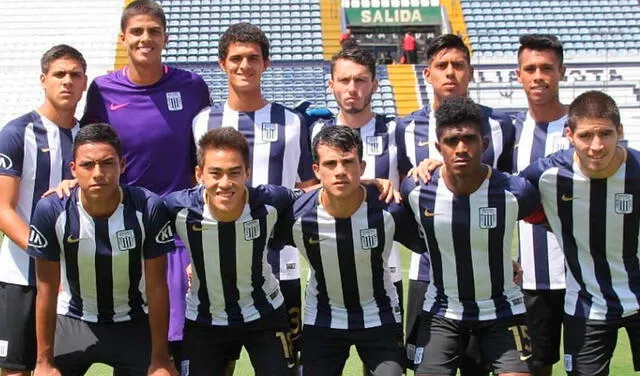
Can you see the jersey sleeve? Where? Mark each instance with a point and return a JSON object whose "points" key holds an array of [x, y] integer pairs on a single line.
{"points": [[527, 195], [43, 240], [404, 163], [535, 170], [283, 200], [204, 96], [11, 151], [95, 110], [305, 172], [505, 161], [407, 231], [199, 125], [159, 229]]}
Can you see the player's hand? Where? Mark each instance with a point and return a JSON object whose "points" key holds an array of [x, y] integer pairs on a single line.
{"points": [[46, 369], [189, 271], [162, 367], [385, 187], [517, 273], [424, 170], [63, 189]]}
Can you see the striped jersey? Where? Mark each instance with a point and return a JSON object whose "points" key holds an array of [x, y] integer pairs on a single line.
{"points": [[38, 152], [278, 152], [380, 153], [541, 257], [597, 223], [469, 242], [232, 281], [102, 259], [349, 285], [416, 140]]}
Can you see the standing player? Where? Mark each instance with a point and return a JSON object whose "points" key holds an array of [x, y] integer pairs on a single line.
{"points": [[234, 299], [151, 106], [347, 234], [540, 131], [449, 72], [590, 197], [468, 212], [353, 82], [277, 136], [106, 246], [35, 152]]}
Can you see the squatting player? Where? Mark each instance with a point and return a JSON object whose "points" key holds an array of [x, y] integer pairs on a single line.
{"points": [[105, 247], [151, 106], [346, 233], [468, 212], [277, 136], [590, 198], [35, 152]]}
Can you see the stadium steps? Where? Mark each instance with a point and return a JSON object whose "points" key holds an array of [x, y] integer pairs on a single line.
{"points": [[456, 17], [121, 59], [330, 21], [404, 83]]}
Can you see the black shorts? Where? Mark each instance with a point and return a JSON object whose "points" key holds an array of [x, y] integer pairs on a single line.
{"points": [[17, 327], [589, 344], [545, 311], [503, 343], [208, 349], [291, 292], [380, 349], [125, 346]]}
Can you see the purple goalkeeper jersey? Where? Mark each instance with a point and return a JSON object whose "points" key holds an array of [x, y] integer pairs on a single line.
{"points": [[153, 123]]}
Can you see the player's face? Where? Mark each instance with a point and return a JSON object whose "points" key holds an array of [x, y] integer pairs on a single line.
{"points": [[224, 176], [244, 66], [461, 148], [352, 85], [339, 171], [540, 74], [449, 73], [143, 39], [595, 141], [97, 168], [64, 83]]}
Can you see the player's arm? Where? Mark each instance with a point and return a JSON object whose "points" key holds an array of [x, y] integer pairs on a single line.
{"points": [[10, 222], [47, 282]]}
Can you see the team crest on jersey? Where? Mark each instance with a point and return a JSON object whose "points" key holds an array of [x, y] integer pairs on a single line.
{"points": [[126, 240], [368, 238], [36, 239], [165, 235], [374, 145], [5, 162], [488, 218], [624, 203], [269, 132], [560, 143], [174, 101], [251, 229]]}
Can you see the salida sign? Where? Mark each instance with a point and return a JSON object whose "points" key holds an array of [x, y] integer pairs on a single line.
{"points": [[393, 16]]}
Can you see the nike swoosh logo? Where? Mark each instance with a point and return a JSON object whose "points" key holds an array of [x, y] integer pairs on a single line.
{"points": [[427, 213], [515, 145], [45, 150], [525, 357], [71, 239], [313, 241], [566, 198], [196, 228], [423, 143], [114, 107]]}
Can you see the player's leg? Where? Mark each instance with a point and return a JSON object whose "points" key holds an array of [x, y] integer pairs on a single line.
{"points": [[291, 291], [505, 345], [114, 347], [325, 350], [73, 346], [415, 301], [209, 349], [632, 326], [545, 311], [381, 350], [471, 362], [588, 346], [17, 329], [445, 340], [268, 342]]}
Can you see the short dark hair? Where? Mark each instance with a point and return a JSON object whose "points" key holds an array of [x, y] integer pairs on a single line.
{"points": [[97, 133], [61, 51], [456, 111], [338, 136], [446, 41], [243, 32], [146, 7], [357, 55], [541, 42], [593, 104], [223, 138]]}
